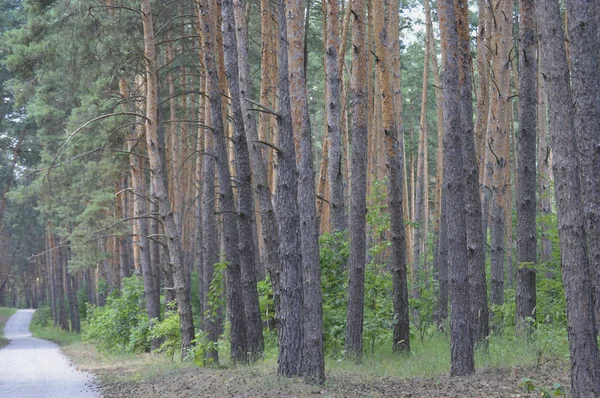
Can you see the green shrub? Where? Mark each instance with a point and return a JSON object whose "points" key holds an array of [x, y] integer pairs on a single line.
{"points": [[122, 324]]}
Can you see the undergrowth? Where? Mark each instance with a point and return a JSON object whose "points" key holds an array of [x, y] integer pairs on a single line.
{"points": [[5, 313], [41, 326]]}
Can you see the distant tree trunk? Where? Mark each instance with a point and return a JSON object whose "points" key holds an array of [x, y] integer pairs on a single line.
{"points": [[576, 272], [136, 162], [526, 173], [210, 242], [246, 226], [181, 286], [358, 184], [461, 351], [63, 321], [260, 179], [544, 168], [71, 296], [50, 270], [124, 260], [75, 322], [235, 297], [15, 159], [483, 94], [291, 333], [313, 362], [472, 198], [422, 182], [442, 264], [585, 71], [392, 129], [334, 121], [259, 164]]}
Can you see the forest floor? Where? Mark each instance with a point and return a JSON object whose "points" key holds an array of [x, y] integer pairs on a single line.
{"points": [[150, 375]]}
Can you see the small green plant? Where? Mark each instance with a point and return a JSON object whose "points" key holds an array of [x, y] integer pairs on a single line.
{"points": [[529, 385], [168, 331]]}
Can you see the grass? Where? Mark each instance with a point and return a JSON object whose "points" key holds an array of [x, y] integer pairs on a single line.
{"points": [[41, 327], [5, 313]]}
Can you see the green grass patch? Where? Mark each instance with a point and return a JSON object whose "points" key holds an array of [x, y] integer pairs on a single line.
{"points": [[41, 327], [5, 313], [431, 357]]}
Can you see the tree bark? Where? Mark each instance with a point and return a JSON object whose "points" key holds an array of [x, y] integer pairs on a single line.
{"points": [[585, 71], [246, 226], [576, 272], [334, 121], [182, 289], [472, 198], [498, 140], [358, 184], [526, 172], [291, 333], [239, 347], [385, 42], [313, 362], [461, 351]]}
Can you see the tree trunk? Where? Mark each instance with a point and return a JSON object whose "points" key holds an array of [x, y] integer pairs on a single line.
{"points": [[544, 169], [499, 142], [358, 184], [585, 71], [239, 347], [472, 198], [576, 272], [254, 337], [313, 363], [461, 351], [334, 121], [140, 214], [526, 172], [385, 42], [182, 289], [291, 333]]}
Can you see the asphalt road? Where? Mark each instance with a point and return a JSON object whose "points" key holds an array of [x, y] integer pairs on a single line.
{"points": [[31, 367]]}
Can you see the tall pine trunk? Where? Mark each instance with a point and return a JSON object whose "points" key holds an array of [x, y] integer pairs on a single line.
{"points": [[312, 360], [472, 199], [181, 287], [585, 71], [576, 272], [526, 172], [358, 184], [235, 297], [291, 332], [246, 226], [461, 351]]}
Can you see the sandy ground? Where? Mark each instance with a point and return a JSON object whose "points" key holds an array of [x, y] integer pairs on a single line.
{"points": [[33, 367]]}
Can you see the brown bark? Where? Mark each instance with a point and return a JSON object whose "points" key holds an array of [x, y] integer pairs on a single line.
{"points": [[585, 71], [461, 351], [498, 140], [333, 110], [155, 152], [235, 300], [576, 272], [472, 199], [260, 178], [526, 172], [385, 42], [245, 219], [291, 332], [358, 208], [313, 365]]}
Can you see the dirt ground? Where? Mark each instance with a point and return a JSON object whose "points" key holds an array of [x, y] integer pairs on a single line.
{"points": [[144, 377]]}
